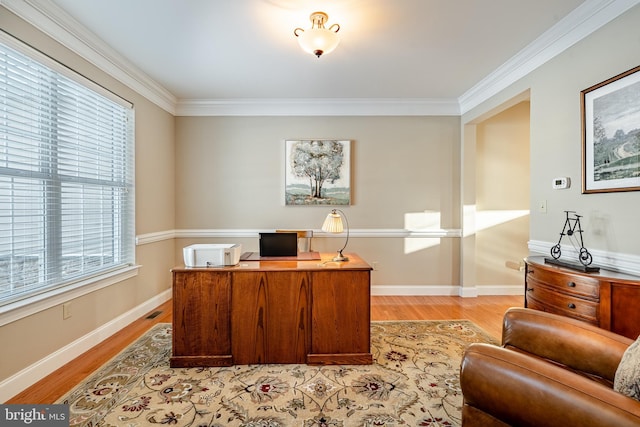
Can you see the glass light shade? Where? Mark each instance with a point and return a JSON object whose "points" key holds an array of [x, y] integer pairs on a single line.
{"points": [[318, 41], [333, 223]]}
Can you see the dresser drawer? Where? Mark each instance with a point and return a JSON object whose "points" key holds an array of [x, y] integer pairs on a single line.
{"points": [[546, 298], [607, 299], [572, 284]]}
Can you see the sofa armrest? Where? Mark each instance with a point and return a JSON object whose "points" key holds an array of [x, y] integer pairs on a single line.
{"points": [[575, 344], [518, 389]]}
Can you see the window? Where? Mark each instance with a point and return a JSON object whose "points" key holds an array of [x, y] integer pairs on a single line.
{"points": [[66, 176]]}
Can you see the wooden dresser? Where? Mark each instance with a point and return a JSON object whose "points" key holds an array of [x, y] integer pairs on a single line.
{"points": [[606, 299]]}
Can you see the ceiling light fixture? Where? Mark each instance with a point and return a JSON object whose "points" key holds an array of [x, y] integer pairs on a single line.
{"points": [[318, 40]]}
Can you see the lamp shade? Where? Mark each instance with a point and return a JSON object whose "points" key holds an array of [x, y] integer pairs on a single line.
{"points": [[333, 223], [318, 41]]}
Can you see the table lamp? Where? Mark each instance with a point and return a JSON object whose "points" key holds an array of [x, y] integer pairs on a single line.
{"points": [[333, 224]]}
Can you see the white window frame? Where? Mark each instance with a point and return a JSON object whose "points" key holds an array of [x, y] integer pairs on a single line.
{"points": [[26, 305]]}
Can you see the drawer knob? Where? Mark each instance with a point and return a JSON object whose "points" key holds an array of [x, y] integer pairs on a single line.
{"points": [[571, 305], [571, 284], [529, 289]]}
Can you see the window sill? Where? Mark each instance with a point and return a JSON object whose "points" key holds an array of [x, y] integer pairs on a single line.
{"points": [[28, 306]]}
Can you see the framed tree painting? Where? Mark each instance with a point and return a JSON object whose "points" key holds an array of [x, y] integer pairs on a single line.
{"points": [[317, 172], [611, 134]]}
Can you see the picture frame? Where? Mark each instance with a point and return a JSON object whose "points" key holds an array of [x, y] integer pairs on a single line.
{"points": [[611, 134], [317, 172]]}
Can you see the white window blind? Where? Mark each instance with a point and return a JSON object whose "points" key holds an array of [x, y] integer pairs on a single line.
{"points": [[66, 178]]}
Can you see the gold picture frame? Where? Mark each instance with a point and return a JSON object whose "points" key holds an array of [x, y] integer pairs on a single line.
{"points": [[611, 134]]}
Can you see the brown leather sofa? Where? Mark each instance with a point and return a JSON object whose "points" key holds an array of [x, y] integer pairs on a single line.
{"points": [[550, 371]]}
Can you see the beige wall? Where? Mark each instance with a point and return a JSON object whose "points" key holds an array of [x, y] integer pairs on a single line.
{"points": [[611, 220], [230, 175], [37, 336], [502, 193]]}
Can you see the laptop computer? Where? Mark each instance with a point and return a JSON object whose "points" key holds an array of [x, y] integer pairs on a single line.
{"points": [[278, 244]]}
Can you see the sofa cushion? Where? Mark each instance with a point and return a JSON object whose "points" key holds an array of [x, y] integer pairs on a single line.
{"points": [[627, 379]]}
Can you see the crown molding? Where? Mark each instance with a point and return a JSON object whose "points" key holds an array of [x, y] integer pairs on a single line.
{"points": [[56, 23], [581, 22], [319, 107]]}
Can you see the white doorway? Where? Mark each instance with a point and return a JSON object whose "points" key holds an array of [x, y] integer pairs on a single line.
{"points": [[496, 182]]}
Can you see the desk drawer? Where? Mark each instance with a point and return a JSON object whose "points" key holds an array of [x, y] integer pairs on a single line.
{"points": [[548, 299], [572, 284]]}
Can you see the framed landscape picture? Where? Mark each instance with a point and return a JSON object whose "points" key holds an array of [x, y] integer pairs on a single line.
{"points": [[611, 134], [317, 172]]}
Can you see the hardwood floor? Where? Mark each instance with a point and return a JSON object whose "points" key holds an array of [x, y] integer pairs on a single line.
{"points": [[485, 311]]}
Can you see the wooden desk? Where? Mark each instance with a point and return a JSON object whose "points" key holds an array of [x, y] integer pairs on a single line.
{"points": [[315, 312]]}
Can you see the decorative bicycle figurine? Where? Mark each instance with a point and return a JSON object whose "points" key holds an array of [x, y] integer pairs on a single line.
{"points": [[571, 227]]}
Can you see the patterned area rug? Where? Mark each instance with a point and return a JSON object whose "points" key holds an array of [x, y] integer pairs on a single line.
{"points": [[414, 381]]}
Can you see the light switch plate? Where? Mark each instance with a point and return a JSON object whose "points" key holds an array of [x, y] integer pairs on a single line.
{"points": [[542, 206]]}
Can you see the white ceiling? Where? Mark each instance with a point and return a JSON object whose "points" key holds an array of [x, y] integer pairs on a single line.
{"points": [[213, 50]]}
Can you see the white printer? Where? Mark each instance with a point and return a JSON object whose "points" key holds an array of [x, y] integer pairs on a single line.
{"points": [[212, 255]]}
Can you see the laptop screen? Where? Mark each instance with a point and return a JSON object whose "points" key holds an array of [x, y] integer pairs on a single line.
{"points": [[278, 244]]}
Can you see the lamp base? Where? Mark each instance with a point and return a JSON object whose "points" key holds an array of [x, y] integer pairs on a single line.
{"points": [[340, 258]]}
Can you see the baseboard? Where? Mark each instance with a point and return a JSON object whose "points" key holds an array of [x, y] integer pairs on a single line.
{"points": [[501, 289], [35, 372], [424, 290], [468, 292], [413, 290]]}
